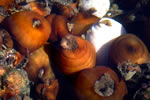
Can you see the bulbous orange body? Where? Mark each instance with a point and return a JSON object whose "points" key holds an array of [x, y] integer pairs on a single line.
{"points": [[50, 91], [67, 11], [73, 61], [128, 47], [82, 22], [86, 79], [39, 64], [59, 27], [6, 3], [29, 29]]}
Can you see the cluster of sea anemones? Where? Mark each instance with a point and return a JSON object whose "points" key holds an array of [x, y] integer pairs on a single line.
{"points": [[43, 43]]}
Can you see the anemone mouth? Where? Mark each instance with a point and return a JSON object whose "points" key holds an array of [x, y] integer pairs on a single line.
{"points": [[69, 42], [36, 23], [70, 26], [105, 85]]}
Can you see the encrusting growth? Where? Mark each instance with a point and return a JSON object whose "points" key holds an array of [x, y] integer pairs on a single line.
{"points": [[105, 85], [69, 42]]}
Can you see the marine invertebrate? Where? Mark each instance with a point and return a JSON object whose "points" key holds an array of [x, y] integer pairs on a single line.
{"points": [[39, 65], [10, 58], [59, 27], [128, 47], [137, 79], [128, 69], [15, 83], [101, 35], [48, 91], [97, 7], [74, 55], [99, 83], [6, 3], [30, 35], [82, 22], [68, 11]]}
